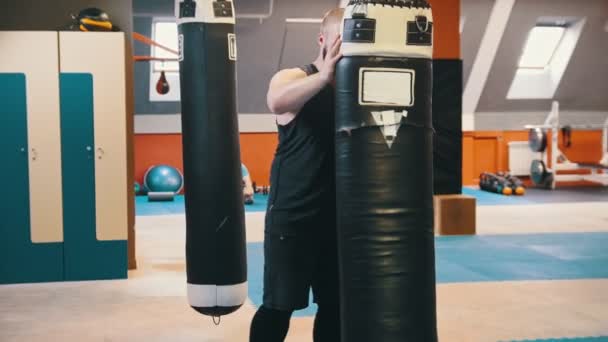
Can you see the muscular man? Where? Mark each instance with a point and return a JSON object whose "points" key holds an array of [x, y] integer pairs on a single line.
{"points": [[300, 247]]}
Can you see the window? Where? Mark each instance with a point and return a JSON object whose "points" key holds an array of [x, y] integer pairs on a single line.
{"points": [[165, 33], [545, 57], [541, 46]]}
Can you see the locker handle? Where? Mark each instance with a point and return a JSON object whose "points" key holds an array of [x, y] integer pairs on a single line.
{"points": [[100, 153], [22, 150], [34, 154]]}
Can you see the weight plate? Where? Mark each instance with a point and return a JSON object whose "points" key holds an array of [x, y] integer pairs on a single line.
{"points": [[538, 172], [537, 139]]}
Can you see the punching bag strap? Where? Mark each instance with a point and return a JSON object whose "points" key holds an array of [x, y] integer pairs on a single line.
{"points": [[422, 21]]}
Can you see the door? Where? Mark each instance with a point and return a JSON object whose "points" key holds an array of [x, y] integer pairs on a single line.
{"points": [[94, 107], [86, 258], [31, 229]]}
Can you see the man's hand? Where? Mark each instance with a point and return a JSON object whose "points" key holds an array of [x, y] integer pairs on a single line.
{"points": [[333, 55]]}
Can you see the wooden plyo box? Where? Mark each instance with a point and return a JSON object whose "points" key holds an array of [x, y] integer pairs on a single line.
{"points": [[455, 215]]}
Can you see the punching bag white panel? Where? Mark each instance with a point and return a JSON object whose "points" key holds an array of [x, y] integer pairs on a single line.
{"points": [[35, 55], [102, 54]]}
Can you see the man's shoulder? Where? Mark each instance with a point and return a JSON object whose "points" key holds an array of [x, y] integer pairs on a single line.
{"points": [[298, 71], [288, 75]]}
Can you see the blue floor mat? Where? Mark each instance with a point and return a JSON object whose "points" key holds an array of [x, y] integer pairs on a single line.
{"points": [[145, 208], [492, 258], [521, 257], [540, 196], [490, 198], [533, 196]]}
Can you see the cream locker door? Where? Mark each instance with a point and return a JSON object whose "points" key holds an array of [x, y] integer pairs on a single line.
{"points": [[102, 54], [35, 54]]}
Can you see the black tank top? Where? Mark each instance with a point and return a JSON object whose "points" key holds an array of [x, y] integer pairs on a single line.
{"points": [[303, 171]]}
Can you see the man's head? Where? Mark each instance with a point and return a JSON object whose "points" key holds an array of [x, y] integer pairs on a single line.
{"points": [[330, 27]]}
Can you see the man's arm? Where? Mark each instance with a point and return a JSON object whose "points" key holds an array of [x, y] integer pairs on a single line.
{"points": [[290, 89]]}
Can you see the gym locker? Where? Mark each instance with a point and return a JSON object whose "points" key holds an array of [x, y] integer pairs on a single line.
{"points": [[31, 230], [92, 73]]}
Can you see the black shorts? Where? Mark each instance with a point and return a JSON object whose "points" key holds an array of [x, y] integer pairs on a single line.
{"points": [[299, 256]]}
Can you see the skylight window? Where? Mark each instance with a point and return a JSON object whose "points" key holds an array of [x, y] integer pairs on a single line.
{"points": [[541, 46], [546, 55]]}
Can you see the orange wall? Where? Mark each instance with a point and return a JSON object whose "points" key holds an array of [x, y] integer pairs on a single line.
{"points": [[489, 151], [482, 151], [154, 149], [257, 150], [446, 17]]}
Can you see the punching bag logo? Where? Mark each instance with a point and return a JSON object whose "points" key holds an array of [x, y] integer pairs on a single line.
{"points": [[180, 45], [389, 122], [232, 46]]}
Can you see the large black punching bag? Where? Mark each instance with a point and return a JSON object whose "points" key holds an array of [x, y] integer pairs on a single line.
{"points": [[215, 221], [384, 172]]}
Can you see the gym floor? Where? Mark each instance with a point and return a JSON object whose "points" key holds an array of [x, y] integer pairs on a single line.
{"points": [[536, 271]]}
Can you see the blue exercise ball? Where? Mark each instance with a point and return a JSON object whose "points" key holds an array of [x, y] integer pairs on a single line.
{"points": [[163, 178]]}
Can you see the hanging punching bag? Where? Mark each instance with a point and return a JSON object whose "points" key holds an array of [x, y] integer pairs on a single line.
{"points": [[215, 223], [384, 172], [162, 86]]}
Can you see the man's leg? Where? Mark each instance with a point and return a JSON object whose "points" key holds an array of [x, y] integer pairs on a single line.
{"points": [[288, 270], [326, 286], [327, 323], [269, 325]]}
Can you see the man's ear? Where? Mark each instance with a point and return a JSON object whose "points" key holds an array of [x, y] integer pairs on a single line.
{"points": [[321, 39]]}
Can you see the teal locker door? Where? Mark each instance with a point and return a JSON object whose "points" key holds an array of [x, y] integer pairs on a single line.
{"points": [[21, 261], [86, 258]]}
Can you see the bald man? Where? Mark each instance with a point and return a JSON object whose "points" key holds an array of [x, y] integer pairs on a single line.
{"points": [[300, 247]]}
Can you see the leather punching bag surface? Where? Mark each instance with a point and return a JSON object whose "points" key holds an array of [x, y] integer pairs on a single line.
{"points": [[384, 172], [215, 222]]}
